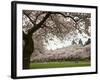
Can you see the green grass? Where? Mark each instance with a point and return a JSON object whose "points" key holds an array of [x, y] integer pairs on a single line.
{"points": [[59, 64]]}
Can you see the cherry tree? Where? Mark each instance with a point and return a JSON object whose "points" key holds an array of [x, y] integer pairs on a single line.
{"points": [[37, 24]]}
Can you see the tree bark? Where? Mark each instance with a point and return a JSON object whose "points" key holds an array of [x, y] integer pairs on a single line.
{"points": [[28, 48]]}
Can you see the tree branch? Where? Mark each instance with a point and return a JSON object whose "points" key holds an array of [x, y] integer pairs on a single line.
{"points": [[29, 18], [36, 27], [65, 15]]}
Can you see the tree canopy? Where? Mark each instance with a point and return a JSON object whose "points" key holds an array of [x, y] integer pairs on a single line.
{"points": [[43, 23]]}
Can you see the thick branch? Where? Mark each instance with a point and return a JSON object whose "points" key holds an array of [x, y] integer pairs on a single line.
{"points": [[37, 16], [36, 27], [65, 15]]}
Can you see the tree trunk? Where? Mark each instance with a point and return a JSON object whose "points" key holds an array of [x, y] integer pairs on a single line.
{"points": [[28, 48]]}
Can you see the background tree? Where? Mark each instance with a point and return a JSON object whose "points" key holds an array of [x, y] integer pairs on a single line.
{"points": [[73, 42]]}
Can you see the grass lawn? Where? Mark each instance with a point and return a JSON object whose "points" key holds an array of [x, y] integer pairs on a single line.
{"points": [[59, 64]]}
